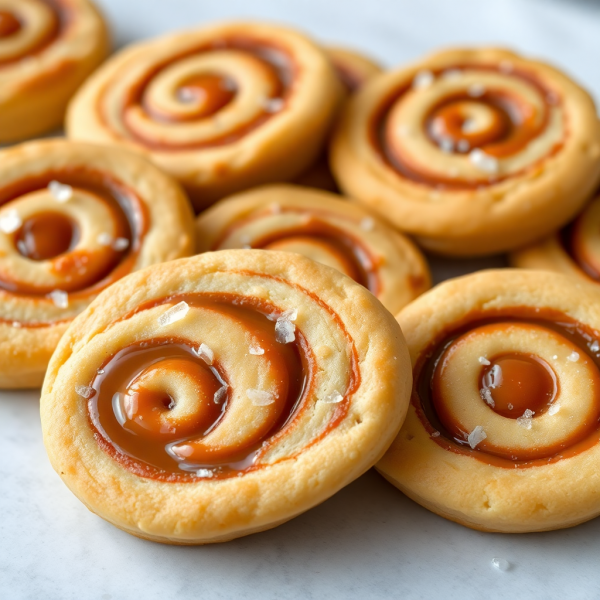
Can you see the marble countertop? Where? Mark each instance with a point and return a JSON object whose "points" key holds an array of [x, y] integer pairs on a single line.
{"points": [[368, 541]]}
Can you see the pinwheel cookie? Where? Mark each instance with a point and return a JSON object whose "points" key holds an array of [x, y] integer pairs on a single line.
{"points": [[74, 218], [217, 396], [47, 49], [472, 151], [503, 429], [221, 108], [323, 227]]}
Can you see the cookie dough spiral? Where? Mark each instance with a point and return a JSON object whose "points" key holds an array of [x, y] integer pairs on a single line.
{"points": [[47, 49], [574, 250], [503, 430], [325, 228], [75, 218], [224, 394], [472, 151], [222, 108]]}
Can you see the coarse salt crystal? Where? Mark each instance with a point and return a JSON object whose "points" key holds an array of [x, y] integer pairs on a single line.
{"points": [[206, 354], [175, 313], [595, 346], [60, 192], [500, 564], [493, 378], [476, 436], [435, 434], [10, 221], [554, 408], [256, 350], [104, 239], [220, 394], [573, 357], [285, 331], [463, 146], [120, 244], [555, 357], [334, 398], [260, 397], [525, 420], [367, 224], [85, 391], [484, 162], [484, 361], [487, 396], [273, 105], [204, 473], [423, 79], [16, 324], [476, 90], [59, 298], [100, 371]]}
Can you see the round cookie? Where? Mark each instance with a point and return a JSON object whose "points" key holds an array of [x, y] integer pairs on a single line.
{"points": [[74, 218], [47, 49], [325, 228], [503, 429], [221, 108], [471, 151], [216, 396]]}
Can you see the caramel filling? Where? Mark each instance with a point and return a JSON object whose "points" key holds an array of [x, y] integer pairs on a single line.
{"points": [[46, 235], [160, 406], [513, 385], [210, 92], [9, 24]]}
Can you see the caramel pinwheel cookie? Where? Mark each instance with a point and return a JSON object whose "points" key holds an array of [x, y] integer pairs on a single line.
{"points": [[221, 108], [471, 151], [353, 70], [325, 228], [221, 395], [574, 250], [74, 218], [47, 49], [503, 429]]}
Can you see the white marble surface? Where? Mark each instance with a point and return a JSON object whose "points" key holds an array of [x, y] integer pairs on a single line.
{"points": [[368, 541]]}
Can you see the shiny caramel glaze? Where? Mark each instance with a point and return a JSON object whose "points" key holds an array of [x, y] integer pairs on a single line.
{"points": [[512, 129], [46, 235], [146, 449], [276, 61], [9, 24], [128, 212], [210, 91], [521, 368]]}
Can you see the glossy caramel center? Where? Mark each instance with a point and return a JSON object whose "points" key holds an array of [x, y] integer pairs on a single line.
{"points": [[209, 92], [46, 235], [9, 24]]}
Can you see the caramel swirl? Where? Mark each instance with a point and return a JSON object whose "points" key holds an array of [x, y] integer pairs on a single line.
{"points": [[581, 240], [468, 126], [9, 24], [513, 388], [75, 231], [177, 409]]}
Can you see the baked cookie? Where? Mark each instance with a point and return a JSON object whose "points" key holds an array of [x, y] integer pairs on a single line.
{"points": [[503, 429], [323, 227], [574, 250], [221, 108], [222, 395], [74, 218], [472, 151], [353, 70], [47, 49]]}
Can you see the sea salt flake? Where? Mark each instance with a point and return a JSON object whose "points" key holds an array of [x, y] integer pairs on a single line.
{"points": [[334, 398], [16, 324], [104, 239], [288, 315], [555, 357], [206, 354], [484, 162], [204, 473], [60, 192], [260, 397], [367, 224], [573, 357], [256, 350], [476, 436], [500, 564], [220, 394], [10, 221], [85, 391], [100, 371], [120, 244], [595, 346], [484, 361], [463, 146], [59, 298], [554, 408], [175, 313], [476, 90], [487, 396], [446, 145], [493, 378], [435, 434], [273, 105], [423, 79], [285, 331], [525, 420]]}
